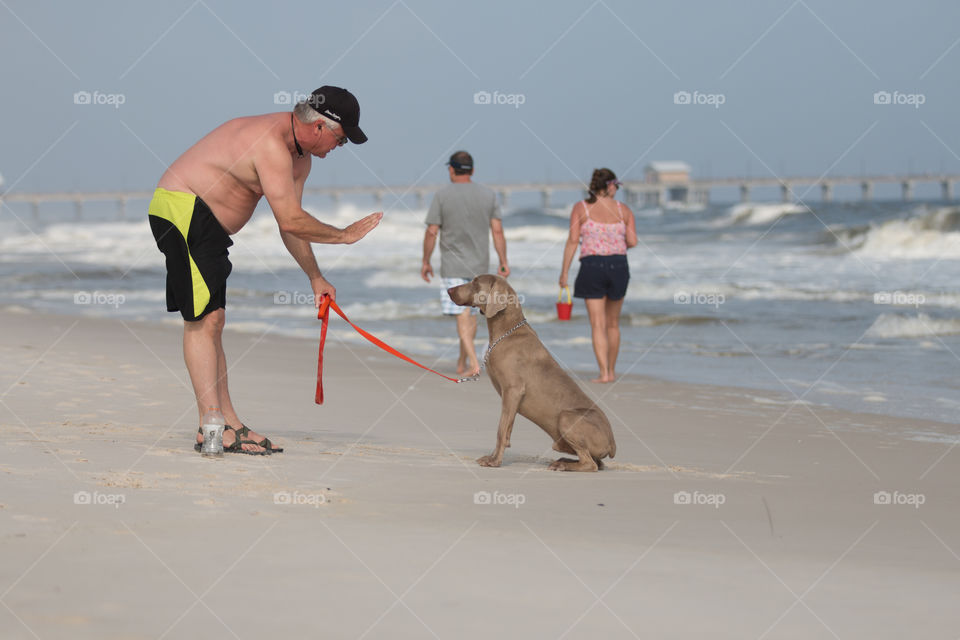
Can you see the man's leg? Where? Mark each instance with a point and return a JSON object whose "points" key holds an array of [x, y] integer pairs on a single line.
{"points": [[467, 330], [207, 365], [200, 339]]}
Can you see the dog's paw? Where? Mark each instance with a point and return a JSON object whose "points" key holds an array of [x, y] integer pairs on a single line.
{"points": [[488, 461], [563, 464]]}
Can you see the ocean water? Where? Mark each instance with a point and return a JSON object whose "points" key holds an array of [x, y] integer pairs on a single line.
{"points": [[852, 305]]}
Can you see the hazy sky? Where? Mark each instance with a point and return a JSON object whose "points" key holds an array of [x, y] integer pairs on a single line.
{"points": [[785, 87]]}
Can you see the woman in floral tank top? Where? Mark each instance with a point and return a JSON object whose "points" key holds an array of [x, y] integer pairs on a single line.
{"points": [[604, 229]]}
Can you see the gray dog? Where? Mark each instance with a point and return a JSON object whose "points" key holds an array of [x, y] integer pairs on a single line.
{"points": [[530, 382]]}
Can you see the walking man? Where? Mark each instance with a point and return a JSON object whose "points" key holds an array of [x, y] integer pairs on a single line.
{"points": [[461, 214]]}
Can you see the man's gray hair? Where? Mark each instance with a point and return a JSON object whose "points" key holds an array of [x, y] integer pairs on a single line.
{"points": [[307, 114]]}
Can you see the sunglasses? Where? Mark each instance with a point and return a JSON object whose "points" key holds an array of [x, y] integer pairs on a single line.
{"points": [[341, 140], [615, 183]]}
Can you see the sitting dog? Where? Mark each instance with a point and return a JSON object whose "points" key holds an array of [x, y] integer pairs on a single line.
{"points": [[530, 382]]}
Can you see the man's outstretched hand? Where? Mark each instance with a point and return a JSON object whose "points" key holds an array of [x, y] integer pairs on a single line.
{"points": [[361, 227]]}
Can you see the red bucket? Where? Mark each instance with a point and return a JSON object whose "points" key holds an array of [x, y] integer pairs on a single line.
{"points": [[564, 309]]}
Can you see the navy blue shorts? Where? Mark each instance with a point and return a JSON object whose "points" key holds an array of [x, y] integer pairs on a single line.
{"points": [[602, 276]]}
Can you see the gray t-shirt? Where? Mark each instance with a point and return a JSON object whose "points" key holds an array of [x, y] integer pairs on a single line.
{"points": [[463, 210]]}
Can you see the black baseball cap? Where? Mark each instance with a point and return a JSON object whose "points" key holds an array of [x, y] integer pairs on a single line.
{"points": [[461, 161], [340, 106]]}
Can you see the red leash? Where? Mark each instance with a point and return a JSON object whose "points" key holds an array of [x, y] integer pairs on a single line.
{"points": [[324, 315]]}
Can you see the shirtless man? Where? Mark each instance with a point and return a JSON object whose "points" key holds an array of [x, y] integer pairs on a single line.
{"points": [[210, 192]]}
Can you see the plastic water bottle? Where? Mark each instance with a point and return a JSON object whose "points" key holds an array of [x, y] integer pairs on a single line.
{"points": [[212, 427]]}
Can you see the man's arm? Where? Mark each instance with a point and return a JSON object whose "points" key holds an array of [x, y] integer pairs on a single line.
{"points": [[302, 252], [500, 245], [274, 166], [429, 241]]}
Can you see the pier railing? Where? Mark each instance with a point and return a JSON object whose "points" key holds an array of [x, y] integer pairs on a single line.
{"points": [[634, 191]]}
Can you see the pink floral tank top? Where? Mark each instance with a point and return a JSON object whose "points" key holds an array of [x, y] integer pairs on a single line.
{"points": [[603, 239]]}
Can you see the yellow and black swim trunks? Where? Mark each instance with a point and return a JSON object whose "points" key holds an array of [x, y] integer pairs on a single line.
{"points": [[195, 245]]}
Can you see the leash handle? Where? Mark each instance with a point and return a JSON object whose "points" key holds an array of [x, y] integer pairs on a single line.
{"points": [[323, 314]]}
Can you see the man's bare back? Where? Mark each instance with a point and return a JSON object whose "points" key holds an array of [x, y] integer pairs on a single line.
{"points": [[221, 167], [244, 159]]}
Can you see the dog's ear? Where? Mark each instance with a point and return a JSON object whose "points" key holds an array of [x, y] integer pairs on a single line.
{"points": [[497, 297]]}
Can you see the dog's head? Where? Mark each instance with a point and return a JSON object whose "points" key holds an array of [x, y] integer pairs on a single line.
{"points": [[491, 294]]}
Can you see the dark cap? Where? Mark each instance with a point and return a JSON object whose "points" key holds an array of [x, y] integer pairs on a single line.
{"points": [[340, 106], [461, 161]]}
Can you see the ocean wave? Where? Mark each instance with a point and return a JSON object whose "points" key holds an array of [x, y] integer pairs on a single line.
{"points": [[257, 247], [403, 278], [703, 292], [927, 234], [921, 325], [690, 294], [754, 213], [119, 244], [391, 310], [537, 233]]}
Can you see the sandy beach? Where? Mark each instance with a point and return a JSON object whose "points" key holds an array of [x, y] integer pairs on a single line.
{"points": [[726, 513]]}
